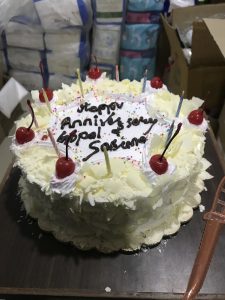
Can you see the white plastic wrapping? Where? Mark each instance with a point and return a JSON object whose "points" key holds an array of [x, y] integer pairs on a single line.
{"points": [[30, 80], [23, 59], [60, 41], [106, 43], [180, 3], [55, 15], [69, 50], [108, 11], [55, 81], [8, 9], [45, 29], [64, 63], [25, 36]]}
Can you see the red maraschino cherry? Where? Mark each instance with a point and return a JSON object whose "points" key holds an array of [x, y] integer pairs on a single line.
{"points": [[158, 162], [48, 91], [196, 116], [156, 83], [23, 134], [94, 72], [65, 166]]}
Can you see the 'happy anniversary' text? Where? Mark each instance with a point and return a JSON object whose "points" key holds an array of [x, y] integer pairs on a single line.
{"points": [[98, 122]]}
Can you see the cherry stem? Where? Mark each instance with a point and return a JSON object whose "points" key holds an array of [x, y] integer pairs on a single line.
{"points": [[32, 114], [67, 146], [71, 135], [42, 74], [170, 141], [96, 63]]}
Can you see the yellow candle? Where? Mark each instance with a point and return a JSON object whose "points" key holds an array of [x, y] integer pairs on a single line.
{"points": [[47, 101], [107, 161]]}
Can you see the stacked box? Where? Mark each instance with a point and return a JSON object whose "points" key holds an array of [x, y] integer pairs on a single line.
{"points": [[23, 46], [108, 19], [139, 38], [54, 32], [67, 26]]}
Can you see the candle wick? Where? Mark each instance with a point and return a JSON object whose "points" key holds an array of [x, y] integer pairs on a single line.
{"points": [[32, 114], [167, 146], [67, 146]]}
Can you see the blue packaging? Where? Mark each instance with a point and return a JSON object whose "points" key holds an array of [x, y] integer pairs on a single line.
{"points": [[145, 5], [139, 36], [133, 65]]}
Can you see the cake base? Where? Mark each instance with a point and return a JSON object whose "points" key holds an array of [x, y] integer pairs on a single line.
{"points": [[69, 223]]}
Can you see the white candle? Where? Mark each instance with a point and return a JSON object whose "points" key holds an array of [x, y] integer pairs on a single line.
{"points": [[53, 142], [180, 104], [144, 81]]}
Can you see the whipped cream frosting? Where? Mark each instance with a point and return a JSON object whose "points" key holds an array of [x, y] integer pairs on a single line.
{"points": [[134, 205]]}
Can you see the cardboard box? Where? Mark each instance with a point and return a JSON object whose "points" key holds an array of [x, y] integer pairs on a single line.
{"points": [[221, 132], [204, 77]]}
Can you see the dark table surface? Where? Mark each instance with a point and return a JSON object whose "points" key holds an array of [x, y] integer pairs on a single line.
{"points": [[32, 262]]}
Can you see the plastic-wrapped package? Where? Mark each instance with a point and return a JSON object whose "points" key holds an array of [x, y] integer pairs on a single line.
{"points": [[152, 17], [145, 5], [26, 14], [25, 36], [24, 59], [63, 39], [139, 36], [55, 81], [69, 51], [8, 9], [187, 54], [106, 43], [64, 63], [133, 64], [56, 15], [30, 80], [180, 3], [108, 11]]}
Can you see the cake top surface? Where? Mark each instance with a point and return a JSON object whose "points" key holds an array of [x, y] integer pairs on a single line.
{"points": [[132, 126]]}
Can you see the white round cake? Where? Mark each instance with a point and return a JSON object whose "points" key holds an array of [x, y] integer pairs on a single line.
{"points": [[130, 205]]}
